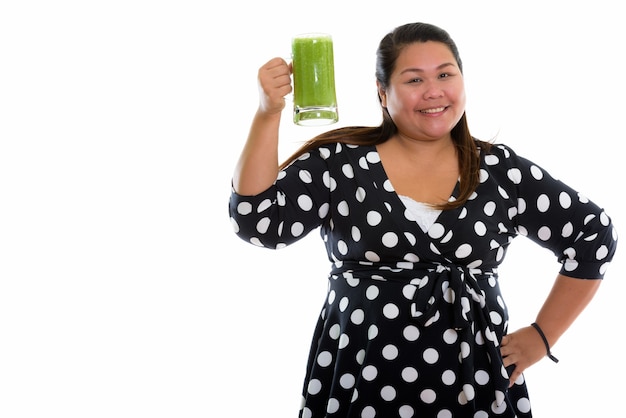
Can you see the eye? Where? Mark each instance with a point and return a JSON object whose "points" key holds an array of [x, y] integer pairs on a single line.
{"points": [[444, 75], [415, 80]]}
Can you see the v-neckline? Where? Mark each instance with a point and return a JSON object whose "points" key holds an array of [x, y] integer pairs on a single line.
{"points": [[443, 218]]}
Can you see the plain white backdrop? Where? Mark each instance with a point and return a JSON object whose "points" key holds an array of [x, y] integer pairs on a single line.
{"points": [[124, 291]]}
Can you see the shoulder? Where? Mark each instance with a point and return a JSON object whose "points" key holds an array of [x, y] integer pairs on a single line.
{"points": [[338, 151], [503, 156]]}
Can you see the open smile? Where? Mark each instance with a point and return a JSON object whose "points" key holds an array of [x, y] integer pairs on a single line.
{"points": [[433, 110]]}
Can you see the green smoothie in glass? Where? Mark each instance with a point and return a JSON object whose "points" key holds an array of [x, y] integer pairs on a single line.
{"points": [[315, 102]]}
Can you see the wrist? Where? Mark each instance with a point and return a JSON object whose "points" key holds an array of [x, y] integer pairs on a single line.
{"points": [[545, 342]]}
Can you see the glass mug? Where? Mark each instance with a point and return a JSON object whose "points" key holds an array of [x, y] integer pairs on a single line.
{"points": [[314, 97]]}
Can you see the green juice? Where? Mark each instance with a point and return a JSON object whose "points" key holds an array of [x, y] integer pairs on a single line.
{"points": [[315, 101]]}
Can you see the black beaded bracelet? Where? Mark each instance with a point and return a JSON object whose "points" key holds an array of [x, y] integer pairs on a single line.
{"points": [[545, 341]]}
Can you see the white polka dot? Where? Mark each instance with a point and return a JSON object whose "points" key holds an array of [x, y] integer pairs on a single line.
{"points": [[406, 411], [391, 311], [344, 340], [297, 229], [323, 210], [536, 172], [463, 251], [413, 258], [360, 356], [343, 303], [390, 239], [408, 291], [481, 377], [334, 332], [372, 256], [357, 317], [372, 292], [388, 393], [348, 171], [342, 247], [263, 225], [265, 204], [436, 231], [324, 359], [465, 349], [244, 208], [409, 374], [356, 234], [480, 228], [431, 356], [570, 265], [602, 252], [468, 392], [307, 413], [515, 175], [489, 208], [343, 208], [448, 377], [450, 336], [568, 230], [369, 373], [331, 297], [373, 218], [372, 332], [565, 200], [305, 203], [333, 406], [347, 381], [428, 396], [491, 159], [543, 203], [411, 333], [314, 387], [410, 237], [373, 157], [368, 412], [390, 352], [360, 194], [544, 233], [523, 405], [329, 181]]}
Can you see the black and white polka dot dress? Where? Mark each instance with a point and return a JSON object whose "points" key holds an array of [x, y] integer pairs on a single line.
{"points": [[413, 320]]}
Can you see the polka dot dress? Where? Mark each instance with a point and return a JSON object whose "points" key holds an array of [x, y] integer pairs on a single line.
{"points": [[413, 319]]}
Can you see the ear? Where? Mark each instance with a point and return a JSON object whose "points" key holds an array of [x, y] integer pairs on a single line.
{"points": [[382, 94]]}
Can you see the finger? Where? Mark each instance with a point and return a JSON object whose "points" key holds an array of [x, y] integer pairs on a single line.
{"points": [[508, 360]]}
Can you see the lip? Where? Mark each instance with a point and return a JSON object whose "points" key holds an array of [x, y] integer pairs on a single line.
{"points": [[433, 110]]}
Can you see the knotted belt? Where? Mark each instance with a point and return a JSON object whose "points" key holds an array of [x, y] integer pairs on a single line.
{"points": [[454, 291]]}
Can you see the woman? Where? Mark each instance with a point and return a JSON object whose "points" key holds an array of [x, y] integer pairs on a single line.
{"points": [[416, 216]]}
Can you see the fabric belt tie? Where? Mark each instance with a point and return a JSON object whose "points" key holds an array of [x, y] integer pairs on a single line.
{"points": [[453, 290]]}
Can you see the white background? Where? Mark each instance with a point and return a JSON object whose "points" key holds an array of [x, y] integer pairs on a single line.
{"points": [[124, 291]]}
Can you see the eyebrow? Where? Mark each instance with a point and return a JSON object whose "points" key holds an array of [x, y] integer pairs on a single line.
{"points": [[419, 70]]}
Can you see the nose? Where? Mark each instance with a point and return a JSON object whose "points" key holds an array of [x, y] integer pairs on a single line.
{"points": [[432, 91]]}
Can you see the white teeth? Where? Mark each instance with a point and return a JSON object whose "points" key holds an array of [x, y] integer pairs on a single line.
{"points": [[435, 110]]}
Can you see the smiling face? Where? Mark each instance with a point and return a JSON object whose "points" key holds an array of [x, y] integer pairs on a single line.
{"points": [[426, 94]]}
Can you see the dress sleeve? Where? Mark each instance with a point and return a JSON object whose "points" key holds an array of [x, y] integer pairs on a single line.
{"points": [[293, 206], [557, 217]]}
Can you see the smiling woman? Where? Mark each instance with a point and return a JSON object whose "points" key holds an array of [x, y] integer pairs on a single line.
{"points": [[414, 323]]}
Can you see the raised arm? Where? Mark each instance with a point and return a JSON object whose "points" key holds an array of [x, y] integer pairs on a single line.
{"points": [[257, 167]]}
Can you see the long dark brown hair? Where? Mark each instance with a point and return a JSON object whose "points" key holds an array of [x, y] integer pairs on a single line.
{"points": [[386, 56]]}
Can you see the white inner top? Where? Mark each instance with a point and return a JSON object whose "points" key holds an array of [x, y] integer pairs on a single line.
{"points": [[425, 215]]}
